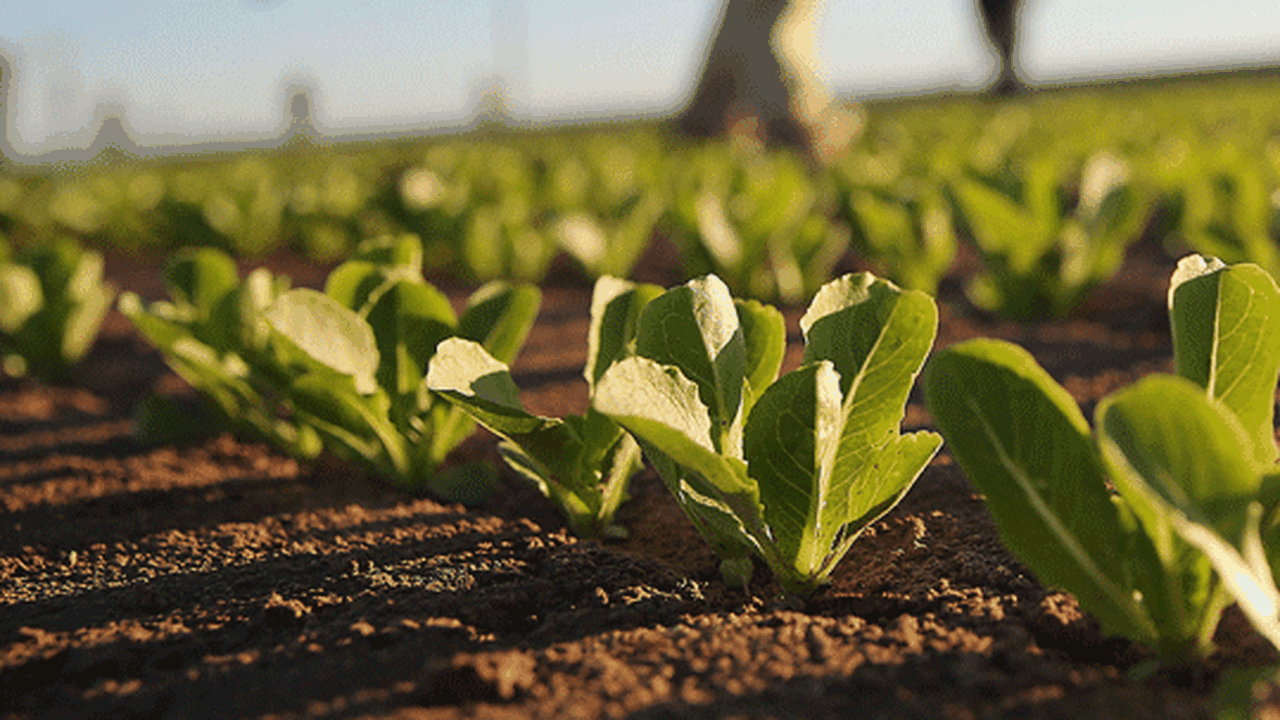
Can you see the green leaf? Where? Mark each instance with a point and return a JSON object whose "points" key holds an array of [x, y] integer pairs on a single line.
{"points": [[1226, 338], [583, 465], [83, 320], [499, 316], [764, 335], [1022, 441], [20, 296], [1169, 446], [997, 222], [695, 328], [790, 444], [661, 407], [246, 310], [403, 251], [877, 336], [330, 334], [161, 332], [344, 414], [409, 320], [1180, 460], [200, 277], [885, 480], [464, 373], [354, 282], [615, 312]]}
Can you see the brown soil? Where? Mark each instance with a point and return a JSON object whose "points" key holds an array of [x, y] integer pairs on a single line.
{"points": [[219, 578]]}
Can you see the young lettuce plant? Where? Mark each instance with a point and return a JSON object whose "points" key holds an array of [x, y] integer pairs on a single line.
{"points": [[581, 463], [345, 367], [1041, 252], [212, 333], [362, 348], [909, 230], [762, 223], [789, 469], [52, 303], [1188, 454]]}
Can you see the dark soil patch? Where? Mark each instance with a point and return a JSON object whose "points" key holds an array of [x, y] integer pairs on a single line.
{"points": [[221, 579]]}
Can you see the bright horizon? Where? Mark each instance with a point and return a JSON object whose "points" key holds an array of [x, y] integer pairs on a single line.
{"points": [[193, 71]]}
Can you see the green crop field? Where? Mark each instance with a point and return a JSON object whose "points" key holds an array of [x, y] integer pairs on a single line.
{"points": [[1050, 188]]}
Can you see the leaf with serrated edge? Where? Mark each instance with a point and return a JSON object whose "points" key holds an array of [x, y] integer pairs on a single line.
{"points": [[1225, 322], [877, 336], [695, 327], [659, 405], [1021, 439]]}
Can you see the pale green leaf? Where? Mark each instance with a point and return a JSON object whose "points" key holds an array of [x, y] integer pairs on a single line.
{"points": [[661, 406], [1021, 439], [615, 312], [468, 376], [330, 334], [695, 327], [20, 296], [1225, 323], [877, 336], [764, 335]]}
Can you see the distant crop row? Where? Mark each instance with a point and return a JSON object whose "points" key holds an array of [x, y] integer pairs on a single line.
{"points": [[1050, 191]]}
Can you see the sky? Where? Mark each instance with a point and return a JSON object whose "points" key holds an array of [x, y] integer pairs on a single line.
{"points": [[190, 70]]}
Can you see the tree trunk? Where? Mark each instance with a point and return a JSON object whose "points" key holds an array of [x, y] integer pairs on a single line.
{"points": [[761, 78]]}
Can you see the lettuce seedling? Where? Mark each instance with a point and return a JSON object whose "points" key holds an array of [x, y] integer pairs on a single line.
{"points": [[213, 333], [1195, 440], [581, 463], [1187, 466], [908, 231], [345, 367], [52, 303], [791, 470], [762, 223], [1041, 251], [1217, 203]]}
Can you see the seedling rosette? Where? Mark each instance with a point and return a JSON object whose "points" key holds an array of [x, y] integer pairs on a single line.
{"points": [[1189, 455], [1041, 251], [52, 303], [343, 369], [909, 231], [581, 463], [791, 469], [761, 223]]}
